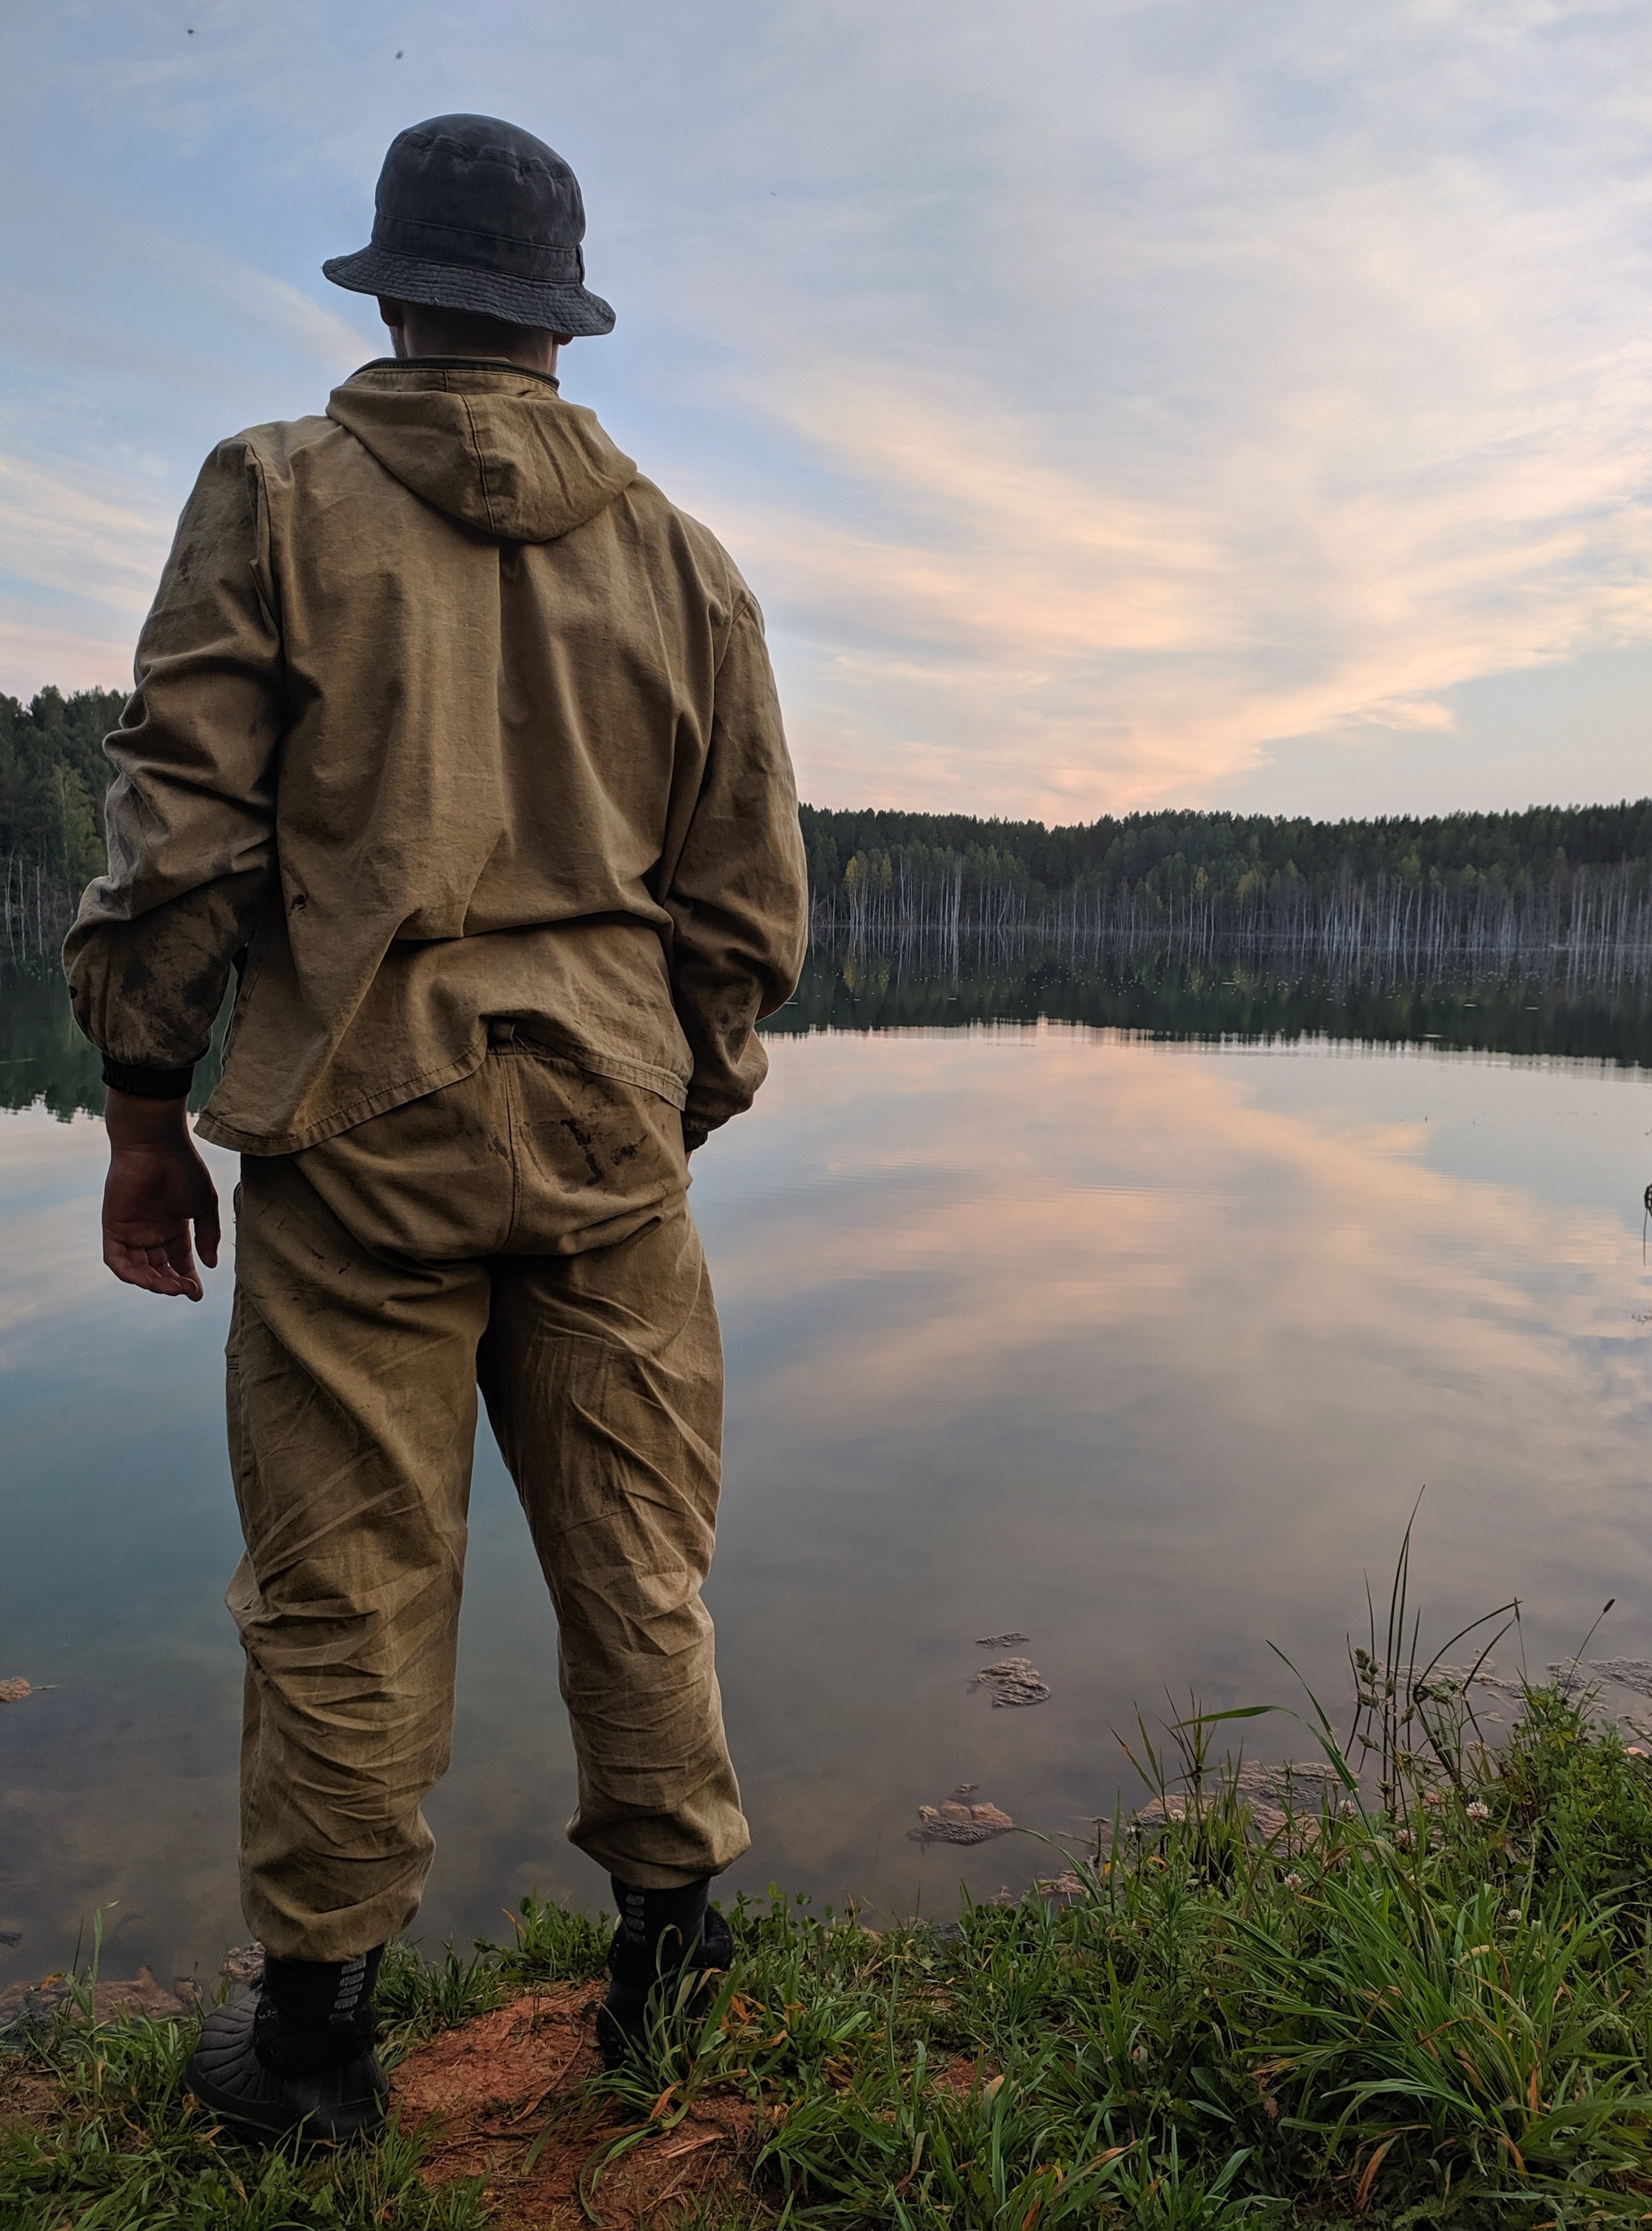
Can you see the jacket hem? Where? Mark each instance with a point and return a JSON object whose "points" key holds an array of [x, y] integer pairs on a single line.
{"points": [[222, 1132]]}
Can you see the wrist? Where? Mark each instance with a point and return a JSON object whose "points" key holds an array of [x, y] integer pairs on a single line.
{"points": [[136, 1122]]}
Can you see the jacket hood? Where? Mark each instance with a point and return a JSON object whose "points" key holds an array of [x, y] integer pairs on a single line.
{"points": [[488, 444]]}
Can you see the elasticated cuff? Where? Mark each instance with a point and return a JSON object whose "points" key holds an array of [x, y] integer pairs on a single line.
{"points": [[147, 1083]]}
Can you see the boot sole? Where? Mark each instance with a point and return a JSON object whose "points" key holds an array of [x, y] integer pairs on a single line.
{"points": [[275, 2122]]}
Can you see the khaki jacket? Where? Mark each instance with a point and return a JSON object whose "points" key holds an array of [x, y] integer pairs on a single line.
{"points": [[444, 715]]}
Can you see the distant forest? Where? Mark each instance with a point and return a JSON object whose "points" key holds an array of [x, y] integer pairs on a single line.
{"points": [[885, 869], [53, 775], [1399, 890], [1573, 877]]}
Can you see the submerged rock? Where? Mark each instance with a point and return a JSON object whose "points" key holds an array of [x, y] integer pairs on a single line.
{"points": [[1013, 1681], [1284, 1800], [956, 1821], [1628, 1672]]}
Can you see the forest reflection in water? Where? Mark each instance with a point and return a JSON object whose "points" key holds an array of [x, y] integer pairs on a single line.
{"points": [[1548, 1005], [1130, 1317], [926, 981]]}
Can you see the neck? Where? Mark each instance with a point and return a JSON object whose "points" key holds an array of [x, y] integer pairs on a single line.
{"points": [[488, 339]]}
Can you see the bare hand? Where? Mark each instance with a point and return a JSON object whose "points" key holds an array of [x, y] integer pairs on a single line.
{"points": [[157, 1187]]}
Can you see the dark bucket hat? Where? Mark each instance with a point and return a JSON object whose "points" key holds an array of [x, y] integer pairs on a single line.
{"points": [[473, 214]]}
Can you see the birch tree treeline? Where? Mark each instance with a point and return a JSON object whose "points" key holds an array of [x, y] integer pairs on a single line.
{"points": [[1570, 878], [1493, 884]]}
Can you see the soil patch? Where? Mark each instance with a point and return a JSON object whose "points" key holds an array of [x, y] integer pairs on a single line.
{"points": [[502, 2098], [28, 2099], [960, 2076]]}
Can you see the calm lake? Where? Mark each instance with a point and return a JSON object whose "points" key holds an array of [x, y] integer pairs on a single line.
{"points": [[1124, 1308]]}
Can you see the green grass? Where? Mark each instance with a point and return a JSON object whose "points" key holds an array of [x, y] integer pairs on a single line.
{"points": [[416, 1996], [1433, 2008], [128, 2151], [1441, 2013]]}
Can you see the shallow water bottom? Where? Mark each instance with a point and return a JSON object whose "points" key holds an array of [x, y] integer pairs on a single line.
{"points": [[1143, 1350]]}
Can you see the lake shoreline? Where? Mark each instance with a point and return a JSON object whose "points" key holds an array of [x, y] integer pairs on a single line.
{"points": [[1426, 1987]]}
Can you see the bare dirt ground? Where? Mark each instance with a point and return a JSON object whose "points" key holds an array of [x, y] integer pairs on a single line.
{"points": [[502, 2098], [27, 2101], [491, 2093]]}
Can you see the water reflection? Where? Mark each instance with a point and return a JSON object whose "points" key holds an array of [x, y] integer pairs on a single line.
{"points": [[1168, 991], [926, 982], [1137, 1345], [44, 1061]]}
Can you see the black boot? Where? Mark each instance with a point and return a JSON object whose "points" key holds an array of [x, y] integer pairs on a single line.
{"points": [[660, 1933], [297, 2059]]}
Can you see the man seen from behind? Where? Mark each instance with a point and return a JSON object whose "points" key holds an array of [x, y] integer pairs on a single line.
{"points": [[457, 743]]}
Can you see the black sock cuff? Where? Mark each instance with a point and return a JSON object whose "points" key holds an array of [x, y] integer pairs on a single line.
{"points": [[656, 1927], [316, 2013], [322, 1991]]}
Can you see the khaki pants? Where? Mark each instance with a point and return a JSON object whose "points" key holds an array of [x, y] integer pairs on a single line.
{"points": [[526, 1228]]}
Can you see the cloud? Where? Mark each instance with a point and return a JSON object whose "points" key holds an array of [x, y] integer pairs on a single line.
{"points": [[1369, 408], [73, 658], [284, 313], [68, 537], [86, 521], [1413, 714], [79, 558], [1096, 410], [1338, 553]]}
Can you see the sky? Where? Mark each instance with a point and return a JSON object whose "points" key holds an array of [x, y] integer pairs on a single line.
{"points": [[1114, 404]]}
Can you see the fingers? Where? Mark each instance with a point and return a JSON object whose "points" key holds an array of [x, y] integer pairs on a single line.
{"points": [[180, 1260], [149, 1269], [151, 1198], [208, 1230]]}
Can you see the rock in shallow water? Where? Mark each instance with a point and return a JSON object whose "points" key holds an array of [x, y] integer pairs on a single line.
{"points": [[956, 1821], [1013, 1681]]}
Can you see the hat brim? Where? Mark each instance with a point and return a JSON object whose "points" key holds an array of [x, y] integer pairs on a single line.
{"points": [[553, 309]]}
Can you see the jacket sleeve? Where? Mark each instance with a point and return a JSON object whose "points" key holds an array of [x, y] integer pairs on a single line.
{"points": [[191, 813], [738, 897]]}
